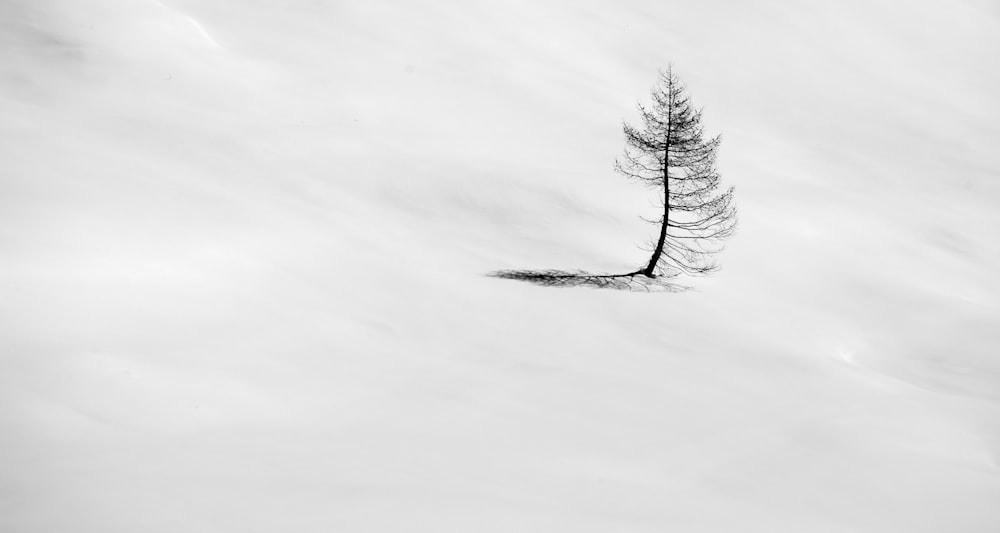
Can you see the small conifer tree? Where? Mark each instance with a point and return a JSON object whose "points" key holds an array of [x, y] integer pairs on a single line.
{"points": [[669, 153]]}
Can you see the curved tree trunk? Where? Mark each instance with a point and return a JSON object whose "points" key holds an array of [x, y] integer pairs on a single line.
{"points": [[669, 154], [650, 270]]}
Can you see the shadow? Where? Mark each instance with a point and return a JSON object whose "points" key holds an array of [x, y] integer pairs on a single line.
{"points": [[562, 278]]}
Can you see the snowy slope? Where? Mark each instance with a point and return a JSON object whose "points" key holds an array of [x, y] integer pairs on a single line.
{"points": [[244, 247]]}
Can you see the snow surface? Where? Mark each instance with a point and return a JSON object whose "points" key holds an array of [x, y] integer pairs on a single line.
{"points": [[244, 247]]}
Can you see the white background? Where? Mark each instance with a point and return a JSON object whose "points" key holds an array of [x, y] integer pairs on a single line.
{"points": [[244, 247]]}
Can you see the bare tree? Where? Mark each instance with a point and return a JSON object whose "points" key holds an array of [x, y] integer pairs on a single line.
{"points": [[670, 154]]}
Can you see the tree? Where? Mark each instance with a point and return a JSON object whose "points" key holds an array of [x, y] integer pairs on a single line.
{"points": [[670, 154]]}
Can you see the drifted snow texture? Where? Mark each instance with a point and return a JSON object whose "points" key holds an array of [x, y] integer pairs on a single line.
{"points": [[244, 250]]}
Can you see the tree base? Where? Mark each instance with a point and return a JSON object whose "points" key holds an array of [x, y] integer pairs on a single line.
{"points": [[633, 281]]}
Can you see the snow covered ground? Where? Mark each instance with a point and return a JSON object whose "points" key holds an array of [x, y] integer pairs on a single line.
{"points": [[244, 247]]}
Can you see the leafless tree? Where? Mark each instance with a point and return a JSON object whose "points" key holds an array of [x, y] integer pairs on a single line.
{"points": [[669, 153]]}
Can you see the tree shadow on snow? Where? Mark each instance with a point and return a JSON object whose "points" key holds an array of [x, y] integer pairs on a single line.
{"points": [[563, 278]]}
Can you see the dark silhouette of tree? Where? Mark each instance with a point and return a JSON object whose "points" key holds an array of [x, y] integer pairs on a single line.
{"points": [[632, 281], [669, 153]]}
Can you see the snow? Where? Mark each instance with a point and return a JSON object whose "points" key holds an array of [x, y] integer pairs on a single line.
{"points": [[244, 251]]}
